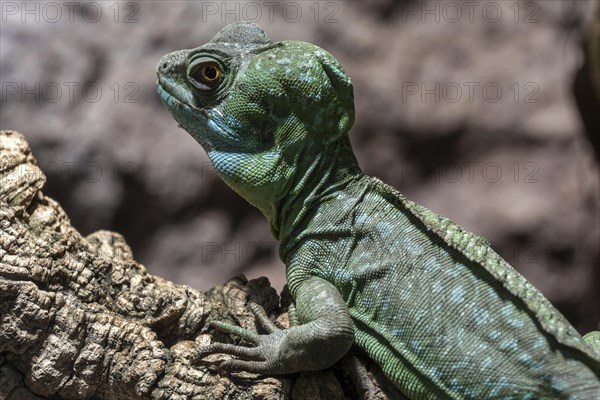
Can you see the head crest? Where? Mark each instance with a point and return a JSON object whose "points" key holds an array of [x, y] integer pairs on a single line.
{"points": [[243, 34]]}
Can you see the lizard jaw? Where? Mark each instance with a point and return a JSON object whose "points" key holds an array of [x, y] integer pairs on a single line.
{"points": [[171, 93]]}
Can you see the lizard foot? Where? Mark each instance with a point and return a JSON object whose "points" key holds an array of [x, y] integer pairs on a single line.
{"points": [[263, 358], [325, 335]]}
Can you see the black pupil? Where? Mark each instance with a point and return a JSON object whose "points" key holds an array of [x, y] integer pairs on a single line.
{"points": [[210, 72]]}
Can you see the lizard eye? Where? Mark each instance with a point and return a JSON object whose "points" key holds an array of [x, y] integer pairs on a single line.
{"points": [[207, 73]]}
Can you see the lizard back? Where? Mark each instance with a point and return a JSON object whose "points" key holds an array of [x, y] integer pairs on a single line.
{"points": [[433, 303]]}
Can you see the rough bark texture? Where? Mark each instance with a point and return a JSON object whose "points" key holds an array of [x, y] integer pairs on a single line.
{"points": [[81, 319]]}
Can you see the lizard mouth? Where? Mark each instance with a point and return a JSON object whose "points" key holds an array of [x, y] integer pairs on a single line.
{"points": [[174, 96], [165, 96]]}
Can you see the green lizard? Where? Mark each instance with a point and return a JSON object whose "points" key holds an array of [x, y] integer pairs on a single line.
{"points": [[441, 313]]}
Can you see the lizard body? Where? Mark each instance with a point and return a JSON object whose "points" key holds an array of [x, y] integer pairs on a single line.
{"points": [[440, 312]]}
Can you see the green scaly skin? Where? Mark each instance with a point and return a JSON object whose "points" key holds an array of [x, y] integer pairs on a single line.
{"points": [[440, 312]]}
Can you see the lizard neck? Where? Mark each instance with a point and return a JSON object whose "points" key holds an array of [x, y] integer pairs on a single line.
{"points": [[327, 174]]}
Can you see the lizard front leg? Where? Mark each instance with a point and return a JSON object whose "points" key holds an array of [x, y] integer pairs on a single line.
{"points": [[324, 336]]}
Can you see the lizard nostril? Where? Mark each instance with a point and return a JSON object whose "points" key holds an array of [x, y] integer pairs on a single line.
{"points": [[165, 66]]}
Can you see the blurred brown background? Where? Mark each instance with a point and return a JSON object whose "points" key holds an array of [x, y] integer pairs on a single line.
{"points": [[483, 111]]}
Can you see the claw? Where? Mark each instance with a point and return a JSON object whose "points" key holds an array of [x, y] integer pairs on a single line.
{"points": [[250, 353], [263, 319], [235, 330], [256, 367]]}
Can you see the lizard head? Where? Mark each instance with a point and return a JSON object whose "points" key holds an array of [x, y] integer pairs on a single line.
{"points": [[263, 111]]}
